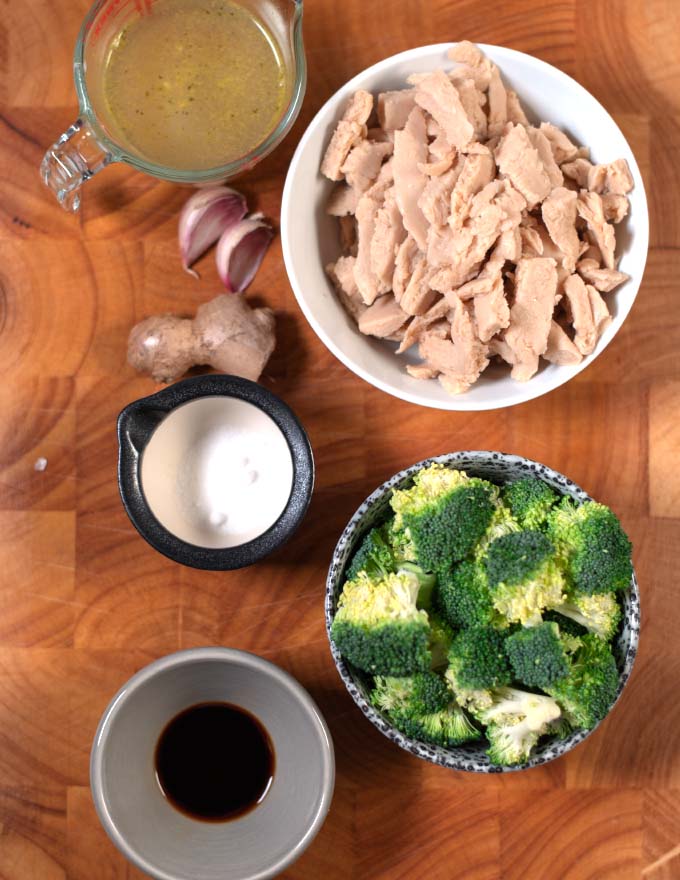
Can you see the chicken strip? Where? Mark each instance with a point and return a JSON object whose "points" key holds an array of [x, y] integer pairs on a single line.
{"points": [[350, 130]]}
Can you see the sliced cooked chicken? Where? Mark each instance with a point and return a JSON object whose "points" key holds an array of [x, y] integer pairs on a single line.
{"points": [[615, 207], [473, 104], [498, 104], [477, 171], [605, 280], [518, 160], [342, 274], [589, 206], [562, 148], [561, 350], [362, 165], [342, 201], [473, 64], [394, 108], [388, 234], [578, 171], [370, 286], [383, 318], [459, 360], [491, 310], [559, 215], [613, 178], [410, 148], [544, 149], [515, 112], [438, 96], [350, 130], [416, 327], [581, 314], [601, 316], [531, 314]]}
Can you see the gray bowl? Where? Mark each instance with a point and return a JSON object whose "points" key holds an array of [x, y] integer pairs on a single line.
{"points": [[499, 468], [169, 845]]}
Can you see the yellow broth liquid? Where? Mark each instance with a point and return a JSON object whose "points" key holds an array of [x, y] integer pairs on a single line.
{"points": [[195, 84]]}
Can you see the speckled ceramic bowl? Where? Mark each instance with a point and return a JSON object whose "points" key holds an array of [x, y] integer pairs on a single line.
{"points": [[498, 468]]}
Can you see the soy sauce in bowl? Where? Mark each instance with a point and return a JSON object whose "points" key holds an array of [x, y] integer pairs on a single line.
{"points": [[214, 762]]}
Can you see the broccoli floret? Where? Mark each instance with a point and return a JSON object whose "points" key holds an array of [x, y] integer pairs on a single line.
{"points": [[530, 501], [463, 596], [446, 728], [599, 614], [502, 523], [593, 547], [539, 655], [477, 659], [587, 692], [559, 728], [422, 707], [402, 545], [378, 627], [419, 694], [444, 514], [523, 576], [374, 556], [439, 640], [514, 721], [567, 625]]}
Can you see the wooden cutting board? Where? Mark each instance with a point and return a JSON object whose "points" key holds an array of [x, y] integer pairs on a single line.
{"points": [[84, 602]]}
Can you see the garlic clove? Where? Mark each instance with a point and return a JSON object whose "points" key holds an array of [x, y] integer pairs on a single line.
{"points": [[205, 216], [240, 251]]}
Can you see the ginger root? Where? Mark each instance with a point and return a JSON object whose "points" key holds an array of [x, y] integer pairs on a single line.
{"points": [[226, 334]]}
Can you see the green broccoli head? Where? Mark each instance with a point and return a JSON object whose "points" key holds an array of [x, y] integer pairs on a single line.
{"points": [[530, 501], [378, 626], [439, 640], [444, 514], [477, 659], [539, 655], [523, 576], [463, 596], [448, 727], [587, 692], [514, 721], [422, 707], [375, 556], [599, 614], [595, 551], [502, 523], [415, 695]]}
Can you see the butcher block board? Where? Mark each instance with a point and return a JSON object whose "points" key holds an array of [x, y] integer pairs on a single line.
{"points": [[85, 602]]}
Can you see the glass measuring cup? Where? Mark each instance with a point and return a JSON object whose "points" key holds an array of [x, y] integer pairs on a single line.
{"points": [[89, 144]]}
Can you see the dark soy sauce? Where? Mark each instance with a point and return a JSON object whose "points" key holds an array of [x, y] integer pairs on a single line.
{"points": [[214, 761]]}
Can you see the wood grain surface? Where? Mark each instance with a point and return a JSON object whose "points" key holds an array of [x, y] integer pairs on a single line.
{"points": [[84, 602]]}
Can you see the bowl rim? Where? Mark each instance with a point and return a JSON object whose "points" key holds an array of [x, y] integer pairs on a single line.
{"points": [[437, 754], [457, 403], [231, 656], [136, 425]]}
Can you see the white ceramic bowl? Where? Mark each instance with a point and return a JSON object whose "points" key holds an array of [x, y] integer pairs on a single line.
{"points": [[310, 237], [167, 844]]}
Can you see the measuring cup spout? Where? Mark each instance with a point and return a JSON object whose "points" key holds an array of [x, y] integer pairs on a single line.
{"points": [[72, 160]]}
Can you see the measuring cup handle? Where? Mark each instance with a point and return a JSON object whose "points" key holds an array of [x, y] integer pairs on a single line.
{"points": [[72, 160]]}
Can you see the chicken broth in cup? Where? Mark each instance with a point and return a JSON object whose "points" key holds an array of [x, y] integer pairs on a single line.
{"points": [[195, 84]]}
